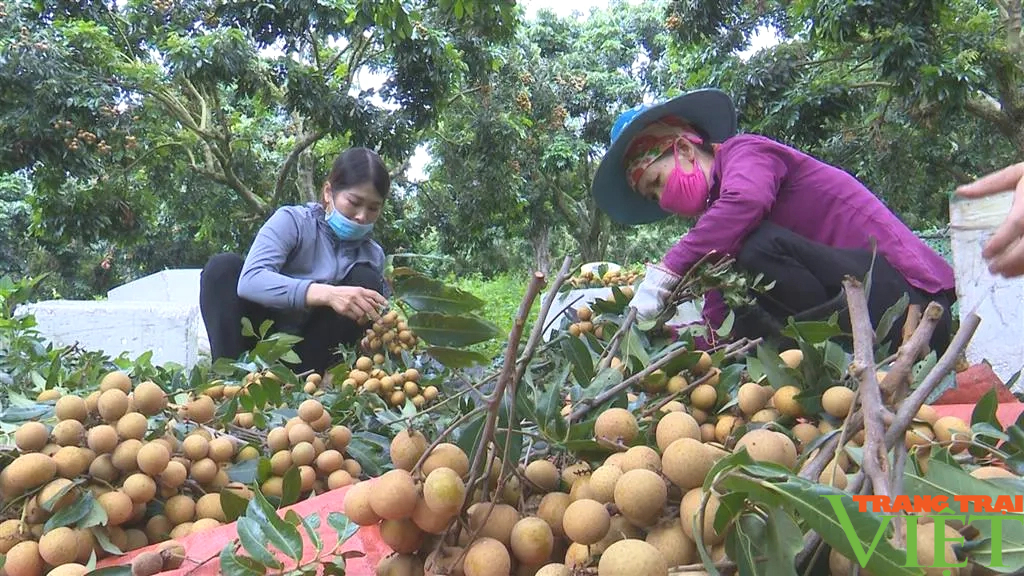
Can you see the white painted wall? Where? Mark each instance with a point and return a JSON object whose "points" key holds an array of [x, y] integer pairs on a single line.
{"points": [[1000, 336], [166, 328]]}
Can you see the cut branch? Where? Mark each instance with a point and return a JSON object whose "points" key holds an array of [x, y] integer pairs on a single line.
{"points": [[909, 407], [912, 348], [876, 459]]}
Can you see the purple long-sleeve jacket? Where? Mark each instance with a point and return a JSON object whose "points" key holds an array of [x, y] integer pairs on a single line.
{"points": [[754, 178]]}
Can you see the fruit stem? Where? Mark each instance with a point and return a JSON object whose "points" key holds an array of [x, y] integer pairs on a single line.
{"points": [[587, 404], [613, 347], [444, 434]]}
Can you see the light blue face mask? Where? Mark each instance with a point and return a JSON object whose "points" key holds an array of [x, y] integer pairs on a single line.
{"points": [[344, 227]]}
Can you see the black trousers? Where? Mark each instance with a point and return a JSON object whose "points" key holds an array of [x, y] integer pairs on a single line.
{"points": [[808, 280], [322, 332]]}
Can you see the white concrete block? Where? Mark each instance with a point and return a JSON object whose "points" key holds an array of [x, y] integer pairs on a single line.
{"points": [[166, 328], [179, 285], [685, 314], [165, 286], [1000, 301]]}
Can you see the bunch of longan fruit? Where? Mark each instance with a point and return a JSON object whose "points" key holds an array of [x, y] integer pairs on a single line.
{"points": [[309, 441], [103, 445], [367, 376], [390, 333]]}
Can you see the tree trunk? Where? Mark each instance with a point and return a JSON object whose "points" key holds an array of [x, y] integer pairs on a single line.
{"points": [[540, 240], [305, 175]]}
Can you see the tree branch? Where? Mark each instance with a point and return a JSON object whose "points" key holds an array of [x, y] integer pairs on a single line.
{"points": [[293, 157], [909, 407], [876, 459], [912, 349], [989, 112]]}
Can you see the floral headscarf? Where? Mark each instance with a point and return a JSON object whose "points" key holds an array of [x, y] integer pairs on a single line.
{"points": [[652, 142]]}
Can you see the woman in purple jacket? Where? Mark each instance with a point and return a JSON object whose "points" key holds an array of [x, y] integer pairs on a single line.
{"points": [[313, 269], [800, 222]]}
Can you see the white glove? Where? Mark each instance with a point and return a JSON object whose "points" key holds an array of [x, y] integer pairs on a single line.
{"points": [[653, 293]]}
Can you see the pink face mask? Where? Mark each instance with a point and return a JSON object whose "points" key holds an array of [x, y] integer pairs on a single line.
{"points": [[685, 193]]}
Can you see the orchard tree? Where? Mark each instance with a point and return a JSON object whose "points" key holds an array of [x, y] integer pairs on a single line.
{"points": [[872, 87], [516, 156], [126, 113]]}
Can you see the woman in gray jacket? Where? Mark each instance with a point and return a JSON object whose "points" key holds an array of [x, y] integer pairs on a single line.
{"points": [[313, 270]]}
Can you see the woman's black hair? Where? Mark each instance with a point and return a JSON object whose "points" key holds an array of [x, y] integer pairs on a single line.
{"points": [[357, 166], [706, 145]]}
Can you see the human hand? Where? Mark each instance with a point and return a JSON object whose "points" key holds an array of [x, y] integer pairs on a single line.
{"points": [[653, 293], [1004, 251], [353, 302]]}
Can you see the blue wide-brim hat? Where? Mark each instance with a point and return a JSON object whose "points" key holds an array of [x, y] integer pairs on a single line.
{"points": [[710, 109]]}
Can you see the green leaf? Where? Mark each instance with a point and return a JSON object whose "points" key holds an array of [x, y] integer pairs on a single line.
{"points": [[808, 500], [811, 332], [247, 329], [606, 379], [124, 570], [444, 330], [985, 410], [232, 504], [281, 534], [245, 472], [774, 368], [457, 358], [428, 295], [291, 486], [309, 524], [250, 534], [232, 564], [582, 359], [784, 540], [632, 346], [74, 512], [342, 525], [891, 315], [103, 538], [943, 479]]}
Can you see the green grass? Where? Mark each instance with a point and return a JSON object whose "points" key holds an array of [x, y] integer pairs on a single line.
{"points": [[502, 295]]}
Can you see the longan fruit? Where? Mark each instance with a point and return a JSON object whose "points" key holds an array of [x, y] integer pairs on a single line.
{"points": [[543, 474], [340, 436], [31, 436], [196, 447], [204, 471], [102, 439], [174, 475], [117, 505], [153, 458], [394, 495], [616, 425], [407, 447], [116, 379], [300, 432], [112, 405], [132, 425], [444, 491], [150, 399], [532, 541], [201, 409], [486, 557], [180, 509], [221, 449], [311, 410], [208, 506], [357, 504], [140, 488], [71, 408], [303, 454], [68, 433], [586, 521]]}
